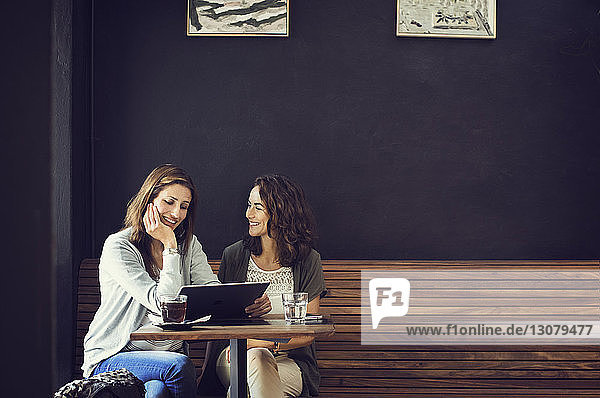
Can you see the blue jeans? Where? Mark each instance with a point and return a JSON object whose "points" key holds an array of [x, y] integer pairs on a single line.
{"points": [[165, 374]]}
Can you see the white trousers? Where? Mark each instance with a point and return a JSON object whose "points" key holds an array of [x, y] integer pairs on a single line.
{"points": [[268, 376]]}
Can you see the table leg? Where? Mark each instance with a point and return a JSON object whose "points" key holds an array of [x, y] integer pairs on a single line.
{"points": [[238, 366]]}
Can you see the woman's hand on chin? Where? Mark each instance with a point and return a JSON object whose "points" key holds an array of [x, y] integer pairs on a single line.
{"points": [[261, 306], [157, 229]]}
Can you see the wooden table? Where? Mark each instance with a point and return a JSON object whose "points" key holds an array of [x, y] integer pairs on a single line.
{"points": [[275, 328]]}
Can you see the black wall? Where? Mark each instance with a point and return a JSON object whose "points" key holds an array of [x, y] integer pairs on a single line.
{"points": [[45, 126], [407, 147], [26, 191]]}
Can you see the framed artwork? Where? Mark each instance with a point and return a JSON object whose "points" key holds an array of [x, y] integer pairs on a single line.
{"points": [[238, 18], [446, 18]]}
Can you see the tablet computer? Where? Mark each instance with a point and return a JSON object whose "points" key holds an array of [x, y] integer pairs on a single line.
{"points": [[221, 301]]}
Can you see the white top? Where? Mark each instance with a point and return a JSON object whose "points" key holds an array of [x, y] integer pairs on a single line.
{"points": [[153, 345], [282, 281], [128, 292]]}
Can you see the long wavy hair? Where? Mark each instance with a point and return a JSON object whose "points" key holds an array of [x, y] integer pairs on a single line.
{"points": [[157, 180], [291, 220]]}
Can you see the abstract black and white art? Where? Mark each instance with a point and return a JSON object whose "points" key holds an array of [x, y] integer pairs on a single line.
{"points": [[238, 18], [447, 18]]}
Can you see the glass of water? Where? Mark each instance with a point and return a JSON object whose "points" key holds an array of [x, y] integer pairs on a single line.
{"points": [[294, 307]]}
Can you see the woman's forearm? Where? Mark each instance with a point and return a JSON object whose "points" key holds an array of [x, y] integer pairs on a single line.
{"points": [[296, 342]]}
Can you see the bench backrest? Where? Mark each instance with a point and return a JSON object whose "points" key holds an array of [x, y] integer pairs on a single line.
{"points": [[349, 369]]}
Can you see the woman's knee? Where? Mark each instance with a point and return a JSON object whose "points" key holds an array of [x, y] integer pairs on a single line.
{"points": [[259, 357], [156, 389], [183, 365]]}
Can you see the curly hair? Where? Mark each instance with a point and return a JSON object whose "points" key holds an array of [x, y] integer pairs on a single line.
{"points": [[291, 220], [157, 180]]}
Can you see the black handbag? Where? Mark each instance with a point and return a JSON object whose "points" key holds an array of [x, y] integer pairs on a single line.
{"points": [[114, 384]]}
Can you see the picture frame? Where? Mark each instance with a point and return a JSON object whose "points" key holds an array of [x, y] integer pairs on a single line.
{"points": [[238, 18], [446, 18]]}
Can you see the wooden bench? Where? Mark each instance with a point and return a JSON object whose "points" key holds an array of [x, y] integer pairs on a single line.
{"points": [[351, 370]]}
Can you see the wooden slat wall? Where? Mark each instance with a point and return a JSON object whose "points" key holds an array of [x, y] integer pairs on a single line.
{"points": [[351, 370], [88, 300]]}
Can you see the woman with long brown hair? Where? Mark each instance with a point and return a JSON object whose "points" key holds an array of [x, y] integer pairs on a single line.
{"points": [[154, 254], [278, 249]]}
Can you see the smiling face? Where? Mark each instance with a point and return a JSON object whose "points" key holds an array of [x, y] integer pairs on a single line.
{"points": [[173, 203], [257, 215]]}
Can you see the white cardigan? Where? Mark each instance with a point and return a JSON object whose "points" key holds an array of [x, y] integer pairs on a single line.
{"points": [[127, 291]]}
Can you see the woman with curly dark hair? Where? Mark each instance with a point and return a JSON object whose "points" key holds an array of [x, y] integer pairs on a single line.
{"points": [[278, 249]]}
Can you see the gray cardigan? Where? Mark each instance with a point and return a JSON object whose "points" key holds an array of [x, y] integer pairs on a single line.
{"points": [[127, 292], [308, 277]]}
